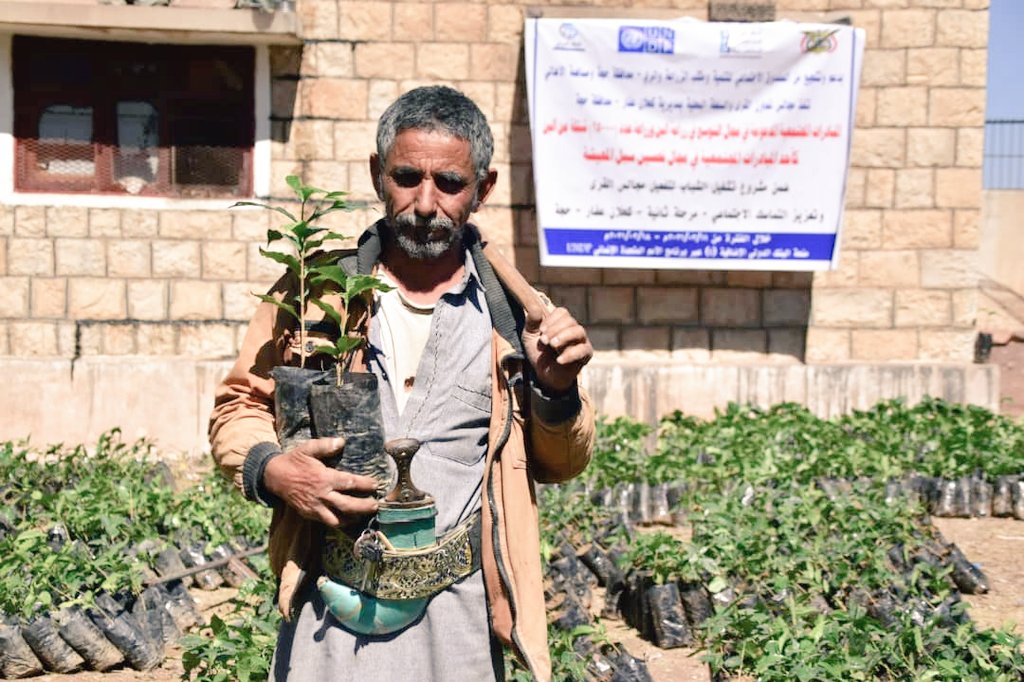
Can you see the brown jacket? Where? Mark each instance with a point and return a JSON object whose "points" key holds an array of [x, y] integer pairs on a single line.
{"points": [[522, 448]]}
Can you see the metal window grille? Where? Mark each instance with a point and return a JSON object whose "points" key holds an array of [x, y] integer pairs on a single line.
{"points": [[1004, 154], [132, 118]]}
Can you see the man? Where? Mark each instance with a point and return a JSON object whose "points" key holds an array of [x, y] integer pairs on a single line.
{"points": [[495, 405]]}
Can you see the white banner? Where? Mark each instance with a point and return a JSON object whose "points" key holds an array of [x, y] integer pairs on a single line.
{"points": [[685, 144]]}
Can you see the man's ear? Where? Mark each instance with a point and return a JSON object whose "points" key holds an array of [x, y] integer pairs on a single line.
{"points": [[375, 175], [485, 188]]}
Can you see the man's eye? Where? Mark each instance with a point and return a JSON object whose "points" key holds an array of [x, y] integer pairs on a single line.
{"points": [[406, 178], [450, 184]]}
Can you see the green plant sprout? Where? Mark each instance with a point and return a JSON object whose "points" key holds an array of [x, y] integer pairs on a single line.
{"points": [[305, 237]]}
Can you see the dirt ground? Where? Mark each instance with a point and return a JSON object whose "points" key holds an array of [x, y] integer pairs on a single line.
{"points": [[994, 544]]}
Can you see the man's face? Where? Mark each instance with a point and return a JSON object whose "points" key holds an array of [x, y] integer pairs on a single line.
{"points": [[429, 189]]}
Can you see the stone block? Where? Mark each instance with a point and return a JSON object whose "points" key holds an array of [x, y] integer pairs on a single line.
{"points": [[974, 68], [958, 187], [965, 308], [862, 229], [917, 229], [738, 345], [483, 93], [413, 21], [786, 345], [867, 104], [690, 277], [827, 345], [329, 175], [861, 307], [196, 300], [195, 224], [844, 276], [494, 61], [881, 186], [621, 276], [792, 280], [611, 304], [319, 20], [49, 297], [335, 60], [730, 307], [385, 60], [884, 68], [176, 259], [949, 269], [856, 188], [250, 224], [334, 98], [14, 302], [889, 269], [157, 339], [3, 255], [747, 10], [104, 222], [879, 147], [215, 340], [29, 256], [262, 269], [29, 221], [604, 339], [93, 298], [80, 257], [509, 103], [947, 345], [459, 21], [119, 339], [32, 339], [129, 258], [505, 24], [923, 308], [310, 140], [969, 147], [962, 28], [90, 339], [966, 228], [67, 221], [691, 345], [444, 61], [956, 107], [573, 299], [137, 223], [931, 146], [883, 345], [786, 307], [67, 339], [754, 279], [6, 229], [915, 188], [933, 66], [908, 28], [224, 260], [646, 342], [364, 21], [667, 305], [147, 300], [380, 95]]}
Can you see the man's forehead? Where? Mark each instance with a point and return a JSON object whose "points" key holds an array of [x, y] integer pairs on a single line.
{"points": [[416, 145]]}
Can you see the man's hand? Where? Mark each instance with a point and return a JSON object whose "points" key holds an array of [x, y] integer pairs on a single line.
{"points": [[557, 346], [317, 492]]}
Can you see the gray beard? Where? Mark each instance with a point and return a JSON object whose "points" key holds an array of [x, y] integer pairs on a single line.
{"points": [[410, 236]]}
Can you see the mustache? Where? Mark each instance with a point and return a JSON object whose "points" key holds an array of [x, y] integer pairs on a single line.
{"points": [[410, 221]]}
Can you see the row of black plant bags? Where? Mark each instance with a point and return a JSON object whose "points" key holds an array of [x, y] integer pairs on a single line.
{"points": [[122, 628]]}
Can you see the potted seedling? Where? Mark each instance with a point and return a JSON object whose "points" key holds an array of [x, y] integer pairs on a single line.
{"points": [[321, 396]]}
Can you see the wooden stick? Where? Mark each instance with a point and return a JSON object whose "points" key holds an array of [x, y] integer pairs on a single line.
{"points": [[207, 566], [516, 284]]}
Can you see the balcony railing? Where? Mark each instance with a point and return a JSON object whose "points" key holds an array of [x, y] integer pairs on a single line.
{"points": [[1004, 154]]}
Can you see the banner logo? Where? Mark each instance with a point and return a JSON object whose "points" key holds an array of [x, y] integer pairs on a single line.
{"points": [[819, 41], [650, 39]]}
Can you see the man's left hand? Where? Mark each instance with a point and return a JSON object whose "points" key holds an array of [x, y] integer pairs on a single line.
{"points": [[557, 346]]}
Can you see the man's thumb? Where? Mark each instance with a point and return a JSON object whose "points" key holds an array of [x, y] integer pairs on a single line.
{"points": [[322, 448]]}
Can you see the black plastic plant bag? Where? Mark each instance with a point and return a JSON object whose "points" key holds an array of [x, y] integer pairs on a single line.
{"points": [[16, 657], [1018, 500], [964, 498], [569, 613], [668, 620], [232, 575], [180, 604], [945, 499], [352, 410], [150, 609], [602, 566], [599, 667], [641, 503], [628, 668], [696, 602], [1002, 496], [192, 556], [967, 577], [124, 632], [981, 497], [292, 416], [54, 653], [87, 639], [623, 504], [637, 611], [168, 562]]}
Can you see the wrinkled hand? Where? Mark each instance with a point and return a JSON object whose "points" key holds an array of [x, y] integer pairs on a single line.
{"points": [[557, 346], [317, 492]]}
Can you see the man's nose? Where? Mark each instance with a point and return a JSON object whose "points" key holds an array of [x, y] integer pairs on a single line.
{"points": [[426, 199]]}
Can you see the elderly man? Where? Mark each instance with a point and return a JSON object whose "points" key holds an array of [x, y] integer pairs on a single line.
{"points": [[490, 392]]}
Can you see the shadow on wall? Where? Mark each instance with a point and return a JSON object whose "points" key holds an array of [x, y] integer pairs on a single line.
{"points": [[686, 315]]}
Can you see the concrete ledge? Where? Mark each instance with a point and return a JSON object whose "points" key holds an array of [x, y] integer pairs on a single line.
{"points": [[148, 24], [169, 399]]}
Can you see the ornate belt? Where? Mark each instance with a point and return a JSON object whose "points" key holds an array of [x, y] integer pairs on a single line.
{"points": [[404, 574]]}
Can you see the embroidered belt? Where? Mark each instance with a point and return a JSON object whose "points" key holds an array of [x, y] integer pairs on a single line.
{"points": [[405, 573]]}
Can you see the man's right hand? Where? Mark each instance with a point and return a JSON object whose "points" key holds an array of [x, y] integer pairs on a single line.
{"points": [[317, 492]]}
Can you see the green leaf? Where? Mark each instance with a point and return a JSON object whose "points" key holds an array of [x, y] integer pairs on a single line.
{"points": [[717, 584], [329, 310], [322, 274], [280, 210], [294, 181], [284, 258], [290, 309]]}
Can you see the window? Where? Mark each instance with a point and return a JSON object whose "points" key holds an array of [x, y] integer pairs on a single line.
{"points": [[132, 118]]}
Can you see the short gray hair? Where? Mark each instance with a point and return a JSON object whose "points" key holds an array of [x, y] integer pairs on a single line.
{"points": [[438, 108]]}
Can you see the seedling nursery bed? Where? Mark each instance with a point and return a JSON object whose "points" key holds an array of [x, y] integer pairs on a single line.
{"points": [[810, 552]]}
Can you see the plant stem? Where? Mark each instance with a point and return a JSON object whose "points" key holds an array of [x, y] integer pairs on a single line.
{"points": [[303, 294]]}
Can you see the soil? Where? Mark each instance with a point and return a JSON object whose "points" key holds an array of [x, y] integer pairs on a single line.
{"points": [[994, 544]]}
